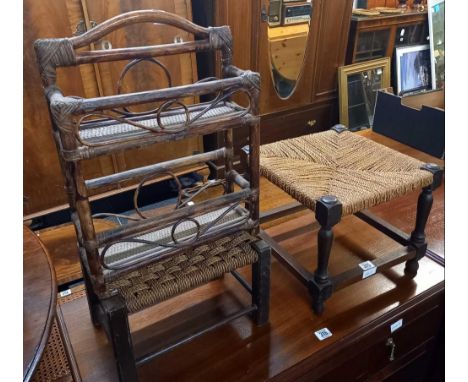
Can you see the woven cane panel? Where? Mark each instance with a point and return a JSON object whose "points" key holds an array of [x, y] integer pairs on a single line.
{"points": [[175, 275], [54, 363], [359, 172], [120, 129], [185, 231]]}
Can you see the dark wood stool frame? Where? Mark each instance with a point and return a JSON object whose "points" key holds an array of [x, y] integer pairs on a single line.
{"points": [[328, 213], [68, 116]]}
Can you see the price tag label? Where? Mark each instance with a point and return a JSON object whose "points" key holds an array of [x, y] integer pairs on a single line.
{"points": [[396, 325], [368, 269], [65, 293], [323, 334]]}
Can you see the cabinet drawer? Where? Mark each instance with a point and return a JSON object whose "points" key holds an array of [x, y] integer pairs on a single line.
{"points": [[412, 335], [276, 127], [367, 356]]}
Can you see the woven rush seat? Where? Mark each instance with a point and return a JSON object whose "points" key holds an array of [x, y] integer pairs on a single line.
{"points": [[177, 274], [186, 231], [359, 172], [177, 119]]}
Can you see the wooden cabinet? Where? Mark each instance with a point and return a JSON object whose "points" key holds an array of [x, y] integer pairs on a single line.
{"points": [[312, 106], [43, 181], [386, 3], [376, 37], [376, 354]]}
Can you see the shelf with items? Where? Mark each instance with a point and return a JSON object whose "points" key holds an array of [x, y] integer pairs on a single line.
{"points": [[389, 31]]}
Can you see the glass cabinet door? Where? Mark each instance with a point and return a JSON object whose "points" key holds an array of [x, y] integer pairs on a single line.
{"points": [[412, 34], [372, 45]]}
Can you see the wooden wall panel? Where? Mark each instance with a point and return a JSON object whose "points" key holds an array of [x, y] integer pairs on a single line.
{"points": [[42, 178], [331, 50], [238, 15]]}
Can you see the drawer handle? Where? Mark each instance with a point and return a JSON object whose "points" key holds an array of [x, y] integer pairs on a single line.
{"points": [[312, 122], [392, 344]]}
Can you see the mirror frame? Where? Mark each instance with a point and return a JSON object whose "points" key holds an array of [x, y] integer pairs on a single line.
{"points": [[306, 51], [345, 71]]}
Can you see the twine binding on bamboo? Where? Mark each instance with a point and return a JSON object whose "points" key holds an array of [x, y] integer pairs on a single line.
{"points": [[359, 172]]}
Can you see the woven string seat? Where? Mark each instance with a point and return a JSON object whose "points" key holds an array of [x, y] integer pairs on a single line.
{"points": [[114, 129], [173, 275], [359, 172]]}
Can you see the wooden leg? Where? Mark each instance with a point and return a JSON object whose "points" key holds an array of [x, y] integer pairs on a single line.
{"points": [[418, 236], [328, 211], [261, 283], [118, 330]]}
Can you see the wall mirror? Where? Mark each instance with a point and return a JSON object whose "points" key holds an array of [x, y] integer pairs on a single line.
{"points": [[288, 32], [358, 85], [436, 14]]}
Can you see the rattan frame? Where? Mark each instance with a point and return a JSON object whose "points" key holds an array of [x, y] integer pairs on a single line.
{"points": [[69, 116]]}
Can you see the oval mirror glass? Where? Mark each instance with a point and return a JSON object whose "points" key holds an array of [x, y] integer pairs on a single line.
{"points": [[288, 32]]}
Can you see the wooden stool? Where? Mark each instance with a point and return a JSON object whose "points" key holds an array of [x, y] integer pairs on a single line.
{"points": [[337, 173]]}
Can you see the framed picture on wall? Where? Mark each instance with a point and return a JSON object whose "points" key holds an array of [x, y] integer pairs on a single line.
{"points": [[413, 69], [358, 85]]}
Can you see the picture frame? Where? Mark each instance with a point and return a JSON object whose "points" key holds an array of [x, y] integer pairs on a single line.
{"points": [[436, 15], [413, 69], [357, 86]]}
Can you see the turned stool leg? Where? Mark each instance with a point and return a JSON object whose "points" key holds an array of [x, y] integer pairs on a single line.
{"points": [[118, 331], [418, 236], [328, 212], [261, 283]]}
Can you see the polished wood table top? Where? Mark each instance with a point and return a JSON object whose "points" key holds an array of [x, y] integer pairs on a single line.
{"points": [[39, 301], [240, 351]]}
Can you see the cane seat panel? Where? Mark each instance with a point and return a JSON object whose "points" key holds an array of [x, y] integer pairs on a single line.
{"points": [[54, 363], [185, 231], [169, 122]]}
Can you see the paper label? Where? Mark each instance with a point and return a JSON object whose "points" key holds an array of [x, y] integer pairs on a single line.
{"points": [[396, 325], [323, 334], [368, 269], [65, 293]]}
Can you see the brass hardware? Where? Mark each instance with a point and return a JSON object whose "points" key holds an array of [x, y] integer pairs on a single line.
{"points": [[391, 343], [81, 27], [105, 44], [178, 40], [312, 122]]}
